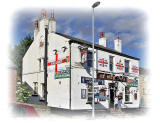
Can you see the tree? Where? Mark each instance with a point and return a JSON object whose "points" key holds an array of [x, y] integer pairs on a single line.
{"points": [[18, 52], [23, 94]]}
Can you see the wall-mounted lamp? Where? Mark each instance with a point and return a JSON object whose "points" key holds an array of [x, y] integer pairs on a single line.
{"points": [[64, 48], [55, 51]]}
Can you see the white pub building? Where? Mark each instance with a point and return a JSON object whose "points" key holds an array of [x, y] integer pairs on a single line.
{"points": [[68, 81]]}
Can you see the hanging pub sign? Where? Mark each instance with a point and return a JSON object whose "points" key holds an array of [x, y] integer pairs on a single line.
{"points": [[135, 69], [102, 62], [84, 55], [105, 76], [119, 65], [132, 82]]}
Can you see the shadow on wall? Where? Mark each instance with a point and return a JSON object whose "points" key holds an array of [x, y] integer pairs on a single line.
{"points": [[35, 98]]}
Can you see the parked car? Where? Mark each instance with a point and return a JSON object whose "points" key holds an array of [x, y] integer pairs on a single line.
{"points": [[23, 110]]}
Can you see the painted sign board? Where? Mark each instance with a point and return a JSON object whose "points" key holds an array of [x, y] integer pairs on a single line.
{"points": [[63, 73]]}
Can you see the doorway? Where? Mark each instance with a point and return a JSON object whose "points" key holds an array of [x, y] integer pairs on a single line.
{"points": [[111, 94]]}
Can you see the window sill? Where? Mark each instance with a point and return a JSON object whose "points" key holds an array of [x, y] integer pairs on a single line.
{"points": [[128, 103], [34, 94], [90, 102], [41, 99]]}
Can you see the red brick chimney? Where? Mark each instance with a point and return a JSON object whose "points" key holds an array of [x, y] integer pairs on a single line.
{"points": [[36, 24], [101, 34], [102, 39]]}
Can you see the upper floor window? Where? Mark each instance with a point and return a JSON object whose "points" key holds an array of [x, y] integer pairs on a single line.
{"points": [[126, 66], [111, 63], [40, 62], [89, 59]]}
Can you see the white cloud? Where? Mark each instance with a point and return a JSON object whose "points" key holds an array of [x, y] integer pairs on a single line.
{"points": [[68, 31]]}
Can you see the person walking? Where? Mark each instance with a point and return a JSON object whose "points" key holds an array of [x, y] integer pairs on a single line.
{"points": [[119, 101]]}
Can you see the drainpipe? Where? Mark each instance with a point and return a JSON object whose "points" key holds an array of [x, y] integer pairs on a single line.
{"points": [[45, 65]]}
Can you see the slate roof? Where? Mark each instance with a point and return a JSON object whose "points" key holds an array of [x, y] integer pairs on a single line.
{"points": [[97, 46]]}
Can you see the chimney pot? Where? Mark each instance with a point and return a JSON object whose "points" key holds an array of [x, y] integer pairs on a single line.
{"points": [[36, 23], [52, 14], [43, 13], [101, 34]]}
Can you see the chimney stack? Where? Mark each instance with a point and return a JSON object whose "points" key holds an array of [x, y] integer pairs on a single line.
{"points": [[118, 44], [52, 14], [102, 40], [36, 29], [52, 23]]}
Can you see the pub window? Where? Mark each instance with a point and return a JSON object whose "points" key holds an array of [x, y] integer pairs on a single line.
{"points": [[89, 59], [103, 93], [127, 94], [89, 92], [83, 93], [135, 96], [35, 90], [111, 63], [126, 66]]}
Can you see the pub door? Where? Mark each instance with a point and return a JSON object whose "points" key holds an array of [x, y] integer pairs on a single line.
{"points": [[111, 94]]}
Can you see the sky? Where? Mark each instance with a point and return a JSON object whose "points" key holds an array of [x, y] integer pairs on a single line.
{"points": [[130, 23]]}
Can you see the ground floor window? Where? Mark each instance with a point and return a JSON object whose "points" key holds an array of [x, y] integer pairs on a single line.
{"points": [[35, 89], [135, 96], [103, 93], [89, 92], [83, 93], [127, 93], [42, 91]]}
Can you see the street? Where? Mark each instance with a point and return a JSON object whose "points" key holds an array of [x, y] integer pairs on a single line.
{"points": [[99, 114]]}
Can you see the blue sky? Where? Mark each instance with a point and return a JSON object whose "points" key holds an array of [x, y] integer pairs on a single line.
{"points": [[132, 25]]}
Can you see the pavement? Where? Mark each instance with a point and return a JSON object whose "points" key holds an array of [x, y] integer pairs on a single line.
{"points": [[52, 112]]}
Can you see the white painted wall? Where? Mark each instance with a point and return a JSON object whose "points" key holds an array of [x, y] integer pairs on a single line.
{"points": [[58, 89]]}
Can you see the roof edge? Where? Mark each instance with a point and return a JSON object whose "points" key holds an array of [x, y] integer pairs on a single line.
{"points": [[97, 46]]}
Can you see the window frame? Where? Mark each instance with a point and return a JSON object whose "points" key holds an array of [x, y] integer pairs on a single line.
{"points": [[127, 94], [127, 66], [35, 88], [83, 93], [89, 59], [111, 63]]}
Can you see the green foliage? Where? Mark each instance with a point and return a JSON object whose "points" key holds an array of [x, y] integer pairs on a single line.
{"points": [[23, 94], [18, 52]]}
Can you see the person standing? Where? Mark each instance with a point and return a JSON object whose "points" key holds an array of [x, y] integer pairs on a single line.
{"points": [[119, 101], [115, 102]]}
